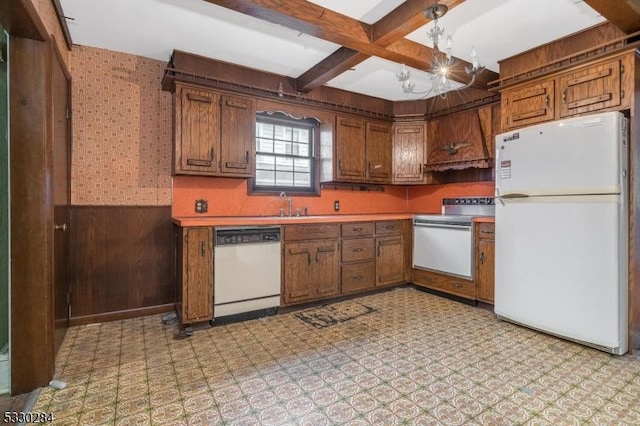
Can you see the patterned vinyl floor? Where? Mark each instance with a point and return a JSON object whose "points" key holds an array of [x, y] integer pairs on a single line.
{"points": [[417, 360]]}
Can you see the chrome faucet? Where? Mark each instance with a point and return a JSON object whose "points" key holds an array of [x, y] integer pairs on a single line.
{"points": [[289, 201]]}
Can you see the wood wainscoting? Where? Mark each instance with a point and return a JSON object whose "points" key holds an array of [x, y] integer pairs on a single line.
{"points": [[122, 261]]}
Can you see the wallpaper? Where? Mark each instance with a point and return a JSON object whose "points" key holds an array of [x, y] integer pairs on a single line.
{"points": [[122, 130]]}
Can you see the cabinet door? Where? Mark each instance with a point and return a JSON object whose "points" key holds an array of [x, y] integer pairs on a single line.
{"points": [[528, 105], [408, 152], [389, 260], [485, 272], [378, 137], [327, 270], [196, 131], [299, 281], [591, 89], [197, 275], [238, 130], [358, 277], [350, 149]]}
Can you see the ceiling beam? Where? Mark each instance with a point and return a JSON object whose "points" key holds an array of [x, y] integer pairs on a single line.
{"points": [[317, 21], [403, 20], [338, 62], [624, 14]]}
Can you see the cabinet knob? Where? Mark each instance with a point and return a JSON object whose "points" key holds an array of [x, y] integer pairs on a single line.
{"points": [[62, 227], [482, 258]]}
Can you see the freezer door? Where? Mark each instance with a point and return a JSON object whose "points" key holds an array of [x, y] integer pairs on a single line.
{"points": [[583, 155], [561, 267]]}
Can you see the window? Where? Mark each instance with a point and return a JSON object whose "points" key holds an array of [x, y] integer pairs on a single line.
{"points": [[285, 159]]}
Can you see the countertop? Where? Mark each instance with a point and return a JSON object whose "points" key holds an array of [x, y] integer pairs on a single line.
{"points": [[277, 220], [484, 219]]}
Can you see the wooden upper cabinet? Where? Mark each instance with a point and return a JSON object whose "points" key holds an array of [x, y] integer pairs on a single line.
{"points": [[409, 141], [237, 132], [528, 105], [593, 88], [350, 149], [378, 154], [604, 85], [461, 140], [196, 130], [214, 134]]}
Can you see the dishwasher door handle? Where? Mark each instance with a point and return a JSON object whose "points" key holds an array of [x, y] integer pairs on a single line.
{"points": [[442, 226]]}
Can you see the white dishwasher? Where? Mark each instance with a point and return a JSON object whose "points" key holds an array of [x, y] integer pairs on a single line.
{"points": [[247, 267]]}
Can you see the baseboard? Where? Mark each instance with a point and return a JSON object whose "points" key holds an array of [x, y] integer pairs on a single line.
{"points": [[120, 315]]}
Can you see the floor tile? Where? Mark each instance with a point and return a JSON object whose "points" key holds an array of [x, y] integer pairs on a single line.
{"points": [[416, 360]]}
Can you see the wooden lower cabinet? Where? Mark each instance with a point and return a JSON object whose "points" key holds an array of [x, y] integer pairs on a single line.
{"points": [[485, 261], [358, 276], [311, 268], [358, 265], [195, 274], [389, 260]]}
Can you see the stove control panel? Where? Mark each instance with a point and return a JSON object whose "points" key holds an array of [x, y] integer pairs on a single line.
{"points": [[469, 206], [468, 201]]}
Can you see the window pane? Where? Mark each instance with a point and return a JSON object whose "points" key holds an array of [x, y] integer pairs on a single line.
{"points": [[284, 178], [301, 150], [285, 164], [302, 179], [301, 135], [265, 162], [265, 178], [264, 130], [281, 147], [302, 165], [264, 145]]}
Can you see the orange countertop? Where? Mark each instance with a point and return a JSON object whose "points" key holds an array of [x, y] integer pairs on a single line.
{"points": [[484, 219], [277, 220]]}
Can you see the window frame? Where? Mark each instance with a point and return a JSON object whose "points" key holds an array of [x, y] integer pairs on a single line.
{"points": [[313, 125]]}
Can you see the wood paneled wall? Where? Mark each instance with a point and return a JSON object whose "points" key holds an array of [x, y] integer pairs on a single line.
{"points": [[32, 354], [122, 261]]}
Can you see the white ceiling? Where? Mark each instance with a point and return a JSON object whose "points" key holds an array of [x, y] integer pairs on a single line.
{"points": [[153, 28]]}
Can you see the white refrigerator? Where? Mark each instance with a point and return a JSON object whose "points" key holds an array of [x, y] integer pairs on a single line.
{"points": [[562, 229]]}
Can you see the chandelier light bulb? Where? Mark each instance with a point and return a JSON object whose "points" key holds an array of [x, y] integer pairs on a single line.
{"points": [[474, 58]]}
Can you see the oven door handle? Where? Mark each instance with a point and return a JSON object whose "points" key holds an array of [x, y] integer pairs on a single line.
{"points": [[442, 226]]}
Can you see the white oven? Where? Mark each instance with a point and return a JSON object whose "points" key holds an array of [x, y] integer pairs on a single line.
{"points": [[444, 244]]}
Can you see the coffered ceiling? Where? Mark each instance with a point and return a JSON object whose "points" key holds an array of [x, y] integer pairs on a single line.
{"points": [[355, 45]]}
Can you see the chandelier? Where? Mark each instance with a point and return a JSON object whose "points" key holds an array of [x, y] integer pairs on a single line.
{"points": [[442, 62]]}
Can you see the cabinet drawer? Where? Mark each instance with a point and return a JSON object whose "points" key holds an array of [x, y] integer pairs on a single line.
{"points": [[357, 277], [310, 232], [357, 249], [360, 229], [451, 285], [391, 227], [486, 231]]}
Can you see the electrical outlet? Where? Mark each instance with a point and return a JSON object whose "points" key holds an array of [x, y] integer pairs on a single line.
{"points": [[202, 206], [336, 205]]}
